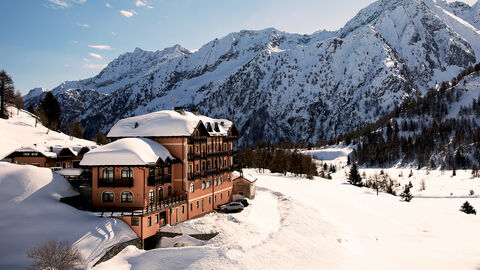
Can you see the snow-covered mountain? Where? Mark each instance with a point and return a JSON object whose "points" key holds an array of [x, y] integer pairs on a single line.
{"points": [[470, 14], [280, 86]]}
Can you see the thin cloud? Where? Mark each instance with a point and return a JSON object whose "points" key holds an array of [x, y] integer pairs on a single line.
{"points": [[100, 47], [94, 66], [127, 13], [108, 5], [94, 55], [82, 25], [140, 3], [86, 60], [61, 4]]}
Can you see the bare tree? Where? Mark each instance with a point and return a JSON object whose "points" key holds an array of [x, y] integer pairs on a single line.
{"points": [[55, 255]]}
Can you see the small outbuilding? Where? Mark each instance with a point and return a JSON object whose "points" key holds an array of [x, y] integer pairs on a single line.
{"points": [[244, 184]]}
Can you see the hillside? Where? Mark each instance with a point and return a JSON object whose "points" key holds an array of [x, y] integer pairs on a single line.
{"points": [[286, 87], [440, 129], [23, 130]]}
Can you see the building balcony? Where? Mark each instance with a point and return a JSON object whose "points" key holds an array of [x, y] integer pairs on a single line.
{"points": [[120, 182], [159, 180], [166, 203]]}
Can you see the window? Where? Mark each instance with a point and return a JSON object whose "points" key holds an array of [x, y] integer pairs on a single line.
{"points": [[192, 188], [221, 196], [134, 221], [160, 194], [215, 183], [151, 171], [183, 209], [229, 178], [191, 207], [156, 219], [204, 185], [229, 193], [215, 198], [209, 200], [127, 173], [149, 221], [196, 149], [208, 184], [151, 196], [107, 196], [34, 154], [107, 173], [126, 196], [169, 191], [26, 154], [198, 205], [220, 180], [198, 167], [190, 169]]}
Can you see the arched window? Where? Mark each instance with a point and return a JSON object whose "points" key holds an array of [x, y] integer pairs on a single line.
{"points": [[192, 188], [208, 183], [169, 191], [107, 196], [151, 196], [160, 194], [126, 196], [127, 173], [203, 165], [215, 183], [107, 173], [220, 180], [204, 185]]}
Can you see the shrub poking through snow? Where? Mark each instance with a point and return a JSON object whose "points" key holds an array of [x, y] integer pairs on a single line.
{"points": [[468, 208], [354, 177], [472, 192], [55, 255], [406, 194]]}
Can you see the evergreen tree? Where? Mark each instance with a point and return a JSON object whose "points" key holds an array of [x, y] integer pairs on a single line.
{"points": [[51, 108], [6, 93], [468, 208], [354, 177], [406, 194], [75, 129], [100, 138]]}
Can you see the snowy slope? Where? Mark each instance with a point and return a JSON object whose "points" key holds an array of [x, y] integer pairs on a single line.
{"points": [[281, 86], [20, 131], [294, 223], [30, 214]]}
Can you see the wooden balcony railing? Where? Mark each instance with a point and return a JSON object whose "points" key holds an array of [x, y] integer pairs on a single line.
{"points": [[120, 182], [167, 203]]}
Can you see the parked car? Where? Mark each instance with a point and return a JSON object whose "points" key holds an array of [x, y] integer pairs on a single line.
{"points": [[244, 202], [231, 207]]}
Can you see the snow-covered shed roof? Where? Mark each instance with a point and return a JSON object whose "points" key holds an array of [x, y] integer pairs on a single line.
{"points": [[128, 151], [70, 172], [236, 175], [34, 148], [168, 124]]}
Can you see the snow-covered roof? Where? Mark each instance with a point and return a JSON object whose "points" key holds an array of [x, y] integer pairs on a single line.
{"points": [[70, 172], [246, 176], [128, 151], [34, 148], [167, 124]]}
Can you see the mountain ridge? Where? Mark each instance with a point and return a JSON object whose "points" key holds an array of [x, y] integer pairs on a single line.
{"points": [[281, 86]]}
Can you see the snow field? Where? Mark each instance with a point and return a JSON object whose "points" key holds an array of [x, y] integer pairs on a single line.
{"points": [[30, 214]]}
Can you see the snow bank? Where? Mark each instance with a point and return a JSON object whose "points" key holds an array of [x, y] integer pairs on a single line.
{"points": [[30, 214]]}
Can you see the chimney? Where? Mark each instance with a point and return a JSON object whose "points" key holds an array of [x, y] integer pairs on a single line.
{"points": [[179, 110]]}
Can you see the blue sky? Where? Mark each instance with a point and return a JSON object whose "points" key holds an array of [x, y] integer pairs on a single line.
{"points": [[49, 41]]}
